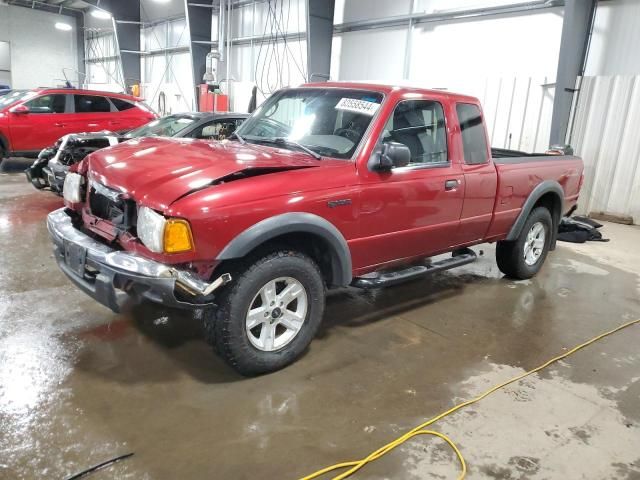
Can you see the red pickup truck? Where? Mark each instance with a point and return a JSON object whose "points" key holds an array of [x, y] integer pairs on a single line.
{"points": [[326, 185]]}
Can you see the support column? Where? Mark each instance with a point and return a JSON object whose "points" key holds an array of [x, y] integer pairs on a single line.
{"points": [[80, 50], [319, 39], [199, 22], [576, 28], [126, 25]]}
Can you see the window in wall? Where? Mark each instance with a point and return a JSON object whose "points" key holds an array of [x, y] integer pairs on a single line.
{"points": [[474, 139], [91, 104], [420, 125], [47, 104]]}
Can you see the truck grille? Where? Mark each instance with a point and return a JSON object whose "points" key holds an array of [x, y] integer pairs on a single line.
{"points": [[109, 205]]}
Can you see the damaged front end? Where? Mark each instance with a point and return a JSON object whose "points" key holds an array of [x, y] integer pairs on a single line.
{"points": [[113, 277], [36, 174], [53, 163]]}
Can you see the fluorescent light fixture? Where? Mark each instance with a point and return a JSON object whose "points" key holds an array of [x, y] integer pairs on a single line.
{"points": [[63, 26], [101, 14]]}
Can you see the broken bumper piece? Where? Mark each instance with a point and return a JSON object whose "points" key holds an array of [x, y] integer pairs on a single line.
{"points": [[112, 277]]}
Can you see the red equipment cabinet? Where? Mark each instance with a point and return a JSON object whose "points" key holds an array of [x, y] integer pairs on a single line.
{"points": [[212, 102]]}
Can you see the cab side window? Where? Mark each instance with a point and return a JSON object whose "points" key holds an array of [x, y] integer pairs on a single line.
{"points": [[47, 104], [474, 139], [91, 104], [420, 125]]}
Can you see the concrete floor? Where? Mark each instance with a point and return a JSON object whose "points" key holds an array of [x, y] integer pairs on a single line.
{"points": [[79, 384]]}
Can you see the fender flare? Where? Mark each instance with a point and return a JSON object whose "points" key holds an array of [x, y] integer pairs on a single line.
{"points": [[541, 189], [295, 222]]}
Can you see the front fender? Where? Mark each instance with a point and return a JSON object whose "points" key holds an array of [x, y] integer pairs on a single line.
{"points": [[295, 222]]}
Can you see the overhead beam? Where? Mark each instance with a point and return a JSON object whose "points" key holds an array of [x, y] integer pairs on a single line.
{"points": [[415, 18], [576, 30]]}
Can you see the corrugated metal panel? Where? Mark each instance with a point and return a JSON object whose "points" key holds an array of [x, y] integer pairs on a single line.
{"points": [[518, 112], [605, 134]]}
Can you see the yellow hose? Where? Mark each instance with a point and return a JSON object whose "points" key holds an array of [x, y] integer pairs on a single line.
{"points": [[356, 465]]}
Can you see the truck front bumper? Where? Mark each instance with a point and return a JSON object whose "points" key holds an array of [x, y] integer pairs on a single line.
{"points": [[113, 277]]}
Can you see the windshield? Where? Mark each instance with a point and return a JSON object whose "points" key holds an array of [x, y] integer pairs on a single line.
{"points": [[329, 121], [13, 96], [164, 127]]}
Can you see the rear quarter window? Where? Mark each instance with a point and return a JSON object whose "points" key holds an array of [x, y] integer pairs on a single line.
{"points": [[474, 139], [122, 105]]}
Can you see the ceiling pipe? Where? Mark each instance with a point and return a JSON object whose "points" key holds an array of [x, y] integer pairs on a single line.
{"points": [[216, 55]]}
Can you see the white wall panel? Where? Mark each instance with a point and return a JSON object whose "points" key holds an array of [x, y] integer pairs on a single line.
{"points": [[39, 52], [494, 46], [605, 135], [353, 10], [369, 55], [613, 49]]}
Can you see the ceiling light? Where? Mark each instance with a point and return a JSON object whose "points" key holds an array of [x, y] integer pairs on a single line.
{"points": [[101, 14], [63, 26]]}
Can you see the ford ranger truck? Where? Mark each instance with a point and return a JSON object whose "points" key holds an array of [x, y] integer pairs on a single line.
{"points": [[326, 185]]}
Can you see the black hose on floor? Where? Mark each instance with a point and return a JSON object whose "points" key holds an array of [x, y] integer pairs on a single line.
{"points": [[100, 466]]}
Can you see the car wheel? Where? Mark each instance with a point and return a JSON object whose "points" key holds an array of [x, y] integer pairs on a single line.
{"points": [[267, 316], [523, 258]]}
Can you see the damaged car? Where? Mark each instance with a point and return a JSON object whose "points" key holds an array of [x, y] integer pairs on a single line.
{"points": [[52, 165]]}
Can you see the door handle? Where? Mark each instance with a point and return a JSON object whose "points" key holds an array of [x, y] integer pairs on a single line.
{"points": [[60, 124], [451, 184], [93, 125]]}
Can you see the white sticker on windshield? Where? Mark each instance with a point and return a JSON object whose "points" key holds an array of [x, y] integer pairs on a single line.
{"points": [[358, 106]]}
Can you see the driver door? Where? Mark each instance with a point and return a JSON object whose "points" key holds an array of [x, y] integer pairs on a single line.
{"points": [[413, 211], [48, 119]]}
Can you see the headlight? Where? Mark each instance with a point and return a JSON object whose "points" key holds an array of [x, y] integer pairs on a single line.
{"points": [[71, 190], [151, 229], [163, 235]]}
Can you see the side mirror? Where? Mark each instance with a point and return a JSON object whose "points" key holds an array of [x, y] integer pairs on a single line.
{"points": [[391, 155], [20, 109]]}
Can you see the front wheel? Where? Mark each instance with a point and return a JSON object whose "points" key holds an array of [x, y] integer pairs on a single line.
{"points": [[523, 258], [269, 314]]}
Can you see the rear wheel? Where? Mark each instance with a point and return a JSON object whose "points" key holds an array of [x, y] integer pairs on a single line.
{"points": [[269, 314], [523, 258]]}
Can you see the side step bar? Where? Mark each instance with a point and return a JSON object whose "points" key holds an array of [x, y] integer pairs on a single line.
{"points": [[457, 259]]}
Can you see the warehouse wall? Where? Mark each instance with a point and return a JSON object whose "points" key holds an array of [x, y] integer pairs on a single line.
{"points": [[270, 65], [508, 61], [615, 36], [607, 112], [39, 51], [605, 135]]}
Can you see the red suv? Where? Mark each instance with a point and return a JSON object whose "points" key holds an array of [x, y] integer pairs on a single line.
{"points": [[33, 119]]}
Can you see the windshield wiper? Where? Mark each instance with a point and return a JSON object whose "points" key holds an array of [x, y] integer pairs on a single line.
{"points": [[240, 139], [292, 143]]}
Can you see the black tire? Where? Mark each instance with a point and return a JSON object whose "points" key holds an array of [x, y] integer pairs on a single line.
{"points": [[510, 256], [225, 325]]}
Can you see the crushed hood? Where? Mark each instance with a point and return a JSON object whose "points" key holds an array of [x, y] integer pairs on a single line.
{"points": [[157, 171]]}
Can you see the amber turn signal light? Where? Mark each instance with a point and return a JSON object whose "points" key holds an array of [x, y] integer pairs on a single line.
{"points": [[177, 236]]}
